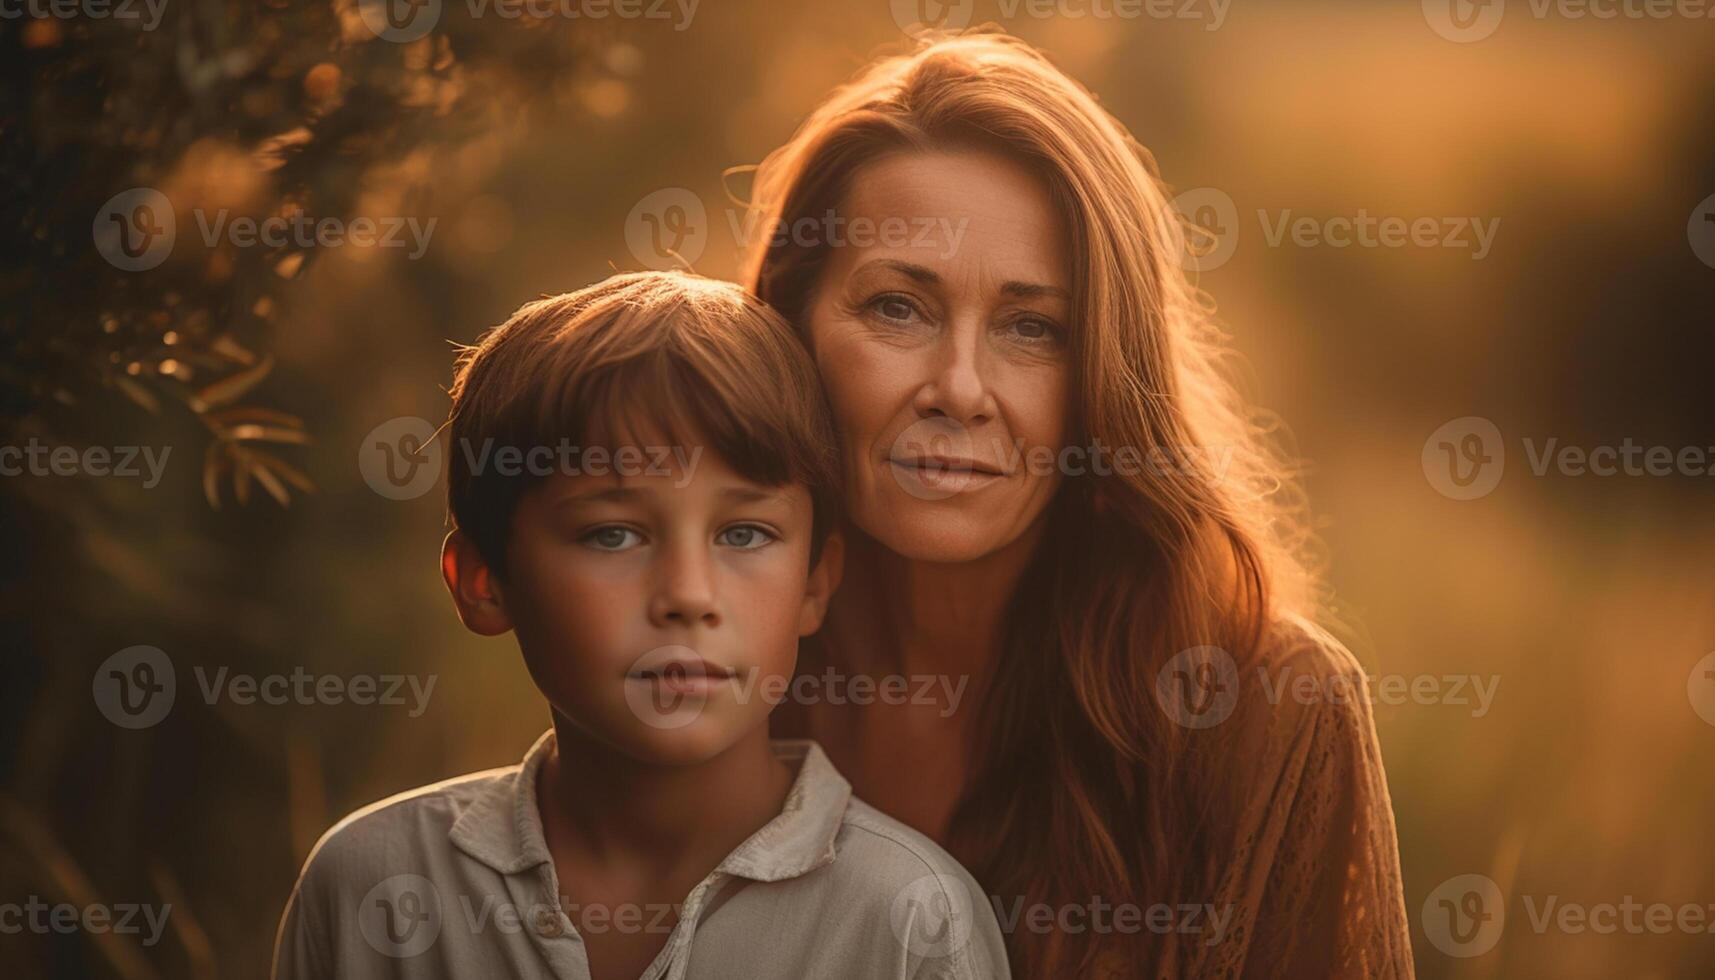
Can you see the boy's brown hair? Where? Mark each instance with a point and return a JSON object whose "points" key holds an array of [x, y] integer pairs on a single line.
{"points": [[695, 361]]}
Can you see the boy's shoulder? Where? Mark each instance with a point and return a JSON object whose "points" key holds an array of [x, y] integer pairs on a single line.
{"points": [[882, 845], [409, 829]]}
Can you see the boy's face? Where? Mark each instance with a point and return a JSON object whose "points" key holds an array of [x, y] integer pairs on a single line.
{"points": [[660, 612]]}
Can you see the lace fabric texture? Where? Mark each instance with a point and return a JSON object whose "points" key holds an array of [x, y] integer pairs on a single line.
{"points": [[1313, 882]]}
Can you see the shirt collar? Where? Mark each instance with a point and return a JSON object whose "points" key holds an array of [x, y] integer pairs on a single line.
{"points": [[502, 827]]}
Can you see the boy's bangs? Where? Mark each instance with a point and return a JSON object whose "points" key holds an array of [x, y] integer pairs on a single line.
{"points": [[660, 403]]}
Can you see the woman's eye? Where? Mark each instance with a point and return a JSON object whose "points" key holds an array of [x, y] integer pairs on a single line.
{"points": [[747, 537], [1036, 330], [611, 538], [893, 307]]}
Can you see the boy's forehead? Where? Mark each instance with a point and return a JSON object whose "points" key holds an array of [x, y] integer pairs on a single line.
{"points": [[621, 472]]}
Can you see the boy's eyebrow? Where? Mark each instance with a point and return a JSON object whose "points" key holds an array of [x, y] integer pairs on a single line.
{"points": [[741, 493], [616, 494], [750, 494]]}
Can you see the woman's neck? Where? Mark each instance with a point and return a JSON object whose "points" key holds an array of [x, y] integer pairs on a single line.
{"points": [[894, 614]]}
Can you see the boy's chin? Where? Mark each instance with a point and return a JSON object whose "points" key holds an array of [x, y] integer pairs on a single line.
{"points": [[690, 745]]}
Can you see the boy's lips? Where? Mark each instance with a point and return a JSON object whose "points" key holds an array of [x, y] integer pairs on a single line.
{"points": [[681, 669]]}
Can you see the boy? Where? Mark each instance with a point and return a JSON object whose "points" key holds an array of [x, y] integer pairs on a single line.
{"points": [[642, 488]]}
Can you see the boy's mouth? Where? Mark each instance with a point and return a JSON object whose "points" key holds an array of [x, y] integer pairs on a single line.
{"points": [[687, 669]]}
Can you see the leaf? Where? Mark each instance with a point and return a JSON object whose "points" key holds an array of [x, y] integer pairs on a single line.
{"points": [[229, 389], [213, 462], [268, 433], [248, 413], [294, 476], [270, 482], [241, 480], [232, 350], [139, 394]]}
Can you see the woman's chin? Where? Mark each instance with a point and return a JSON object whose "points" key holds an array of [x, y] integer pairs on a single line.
{"points": [[937, 533]]}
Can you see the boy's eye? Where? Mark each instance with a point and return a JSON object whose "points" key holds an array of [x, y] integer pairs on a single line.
{"points": [[747, 537], [610, 538]]}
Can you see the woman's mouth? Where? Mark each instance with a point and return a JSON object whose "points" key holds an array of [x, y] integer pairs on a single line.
{"points": [[937, 477]]}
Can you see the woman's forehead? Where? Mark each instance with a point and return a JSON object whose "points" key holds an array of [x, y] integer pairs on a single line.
{"points": [[958, 213]]}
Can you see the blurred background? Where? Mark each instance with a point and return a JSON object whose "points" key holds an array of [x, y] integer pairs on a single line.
{"points": [[549, 151]]}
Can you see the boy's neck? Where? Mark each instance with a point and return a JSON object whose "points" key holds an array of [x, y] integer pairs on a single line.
{"points": [[600, 808]]}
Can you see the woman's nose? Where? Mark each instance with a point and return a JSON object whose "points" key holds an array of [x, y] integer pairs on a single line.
{"points": [[956, 386]]}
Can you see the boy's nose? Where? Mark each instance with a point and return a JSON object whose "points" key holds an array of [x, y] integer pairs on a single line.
{"points": [[684, 594]]}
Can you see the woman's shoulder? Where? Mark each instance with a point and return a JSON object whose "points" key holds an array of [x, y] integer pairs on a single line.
{"points": [[1295, 644], [1304, 693]]}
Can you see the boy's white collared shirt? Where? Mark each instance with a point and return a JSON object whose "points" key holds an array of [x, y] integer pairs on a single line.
{"points": [[455, 880]]}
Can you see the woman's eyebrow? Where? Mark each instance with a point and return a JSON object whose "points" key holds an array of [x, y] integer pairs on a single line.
{"points": [[1032, 290], [926, 276], [921, 274]]}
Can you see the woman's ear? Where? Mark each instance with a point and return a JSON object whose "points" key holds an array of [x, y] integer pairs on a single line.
{"points": [[475, 592], [824, 579]]}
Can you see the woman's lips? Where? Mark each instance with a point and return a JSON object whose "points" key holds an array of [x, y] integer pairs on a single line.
{"points": [[943, 476]]}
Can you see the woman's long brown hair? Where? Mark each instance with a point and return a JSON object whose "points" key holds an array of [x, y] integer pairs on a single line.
{"points": [[1085, 787]]}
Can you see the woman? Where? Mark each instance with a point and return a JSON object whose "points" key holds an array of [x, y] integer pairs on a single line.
{"points": [[1056, 500]]}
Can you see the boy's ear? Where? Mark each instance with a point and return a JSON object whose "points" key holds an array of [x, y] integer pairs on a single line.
{"points": [[475, 592], [824, 580]]}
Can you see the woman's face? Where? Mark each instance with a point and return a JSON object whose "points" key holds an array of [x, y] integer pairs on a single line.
{"points": [[940, 328]]}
